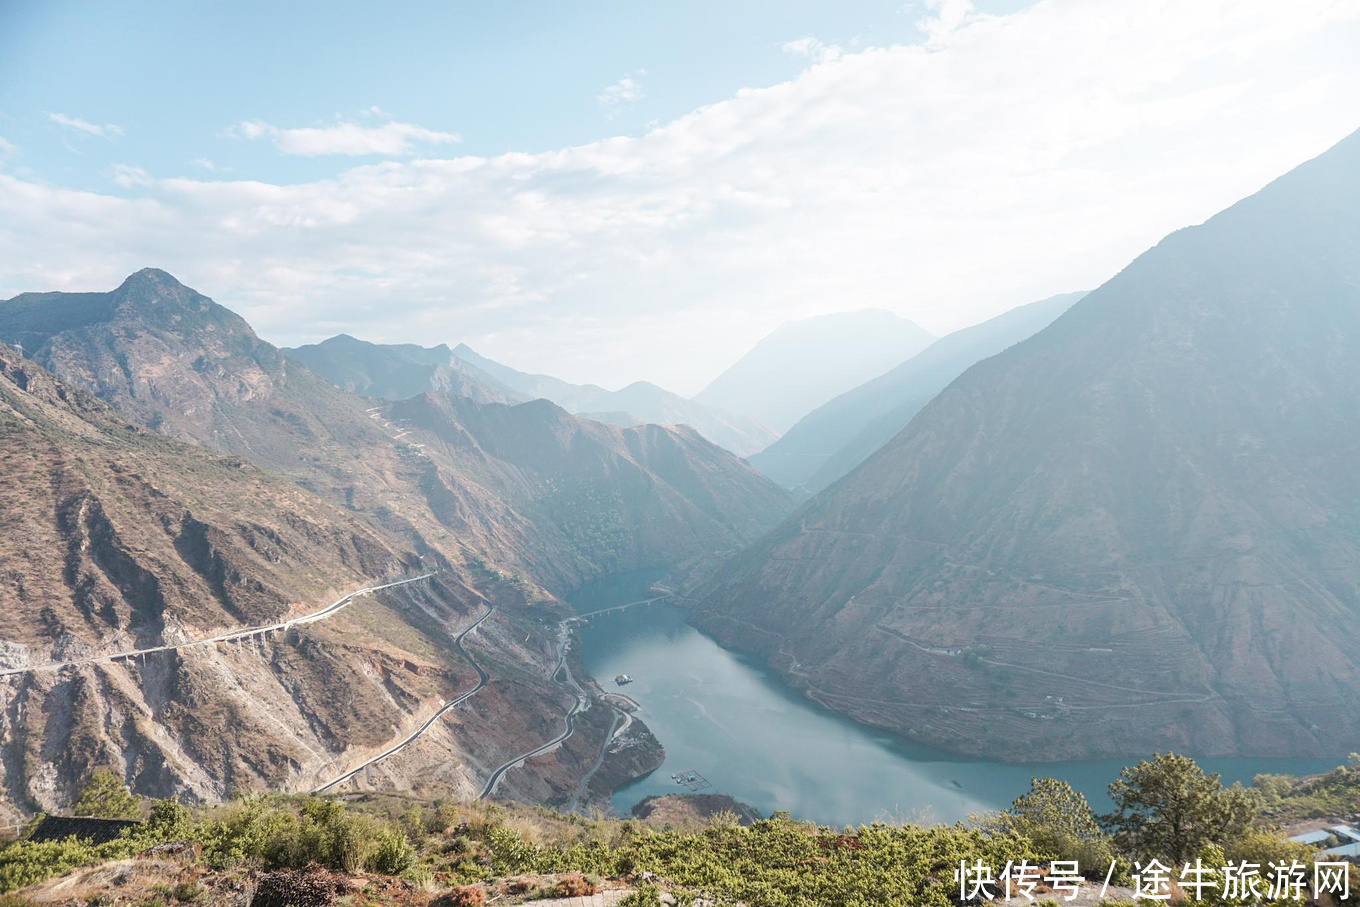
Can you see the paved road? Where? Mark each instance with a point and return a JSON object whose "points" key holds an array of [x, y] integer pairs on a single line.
{"points": [[577, 706], [229, 636], [482, 678], [575, 800]]}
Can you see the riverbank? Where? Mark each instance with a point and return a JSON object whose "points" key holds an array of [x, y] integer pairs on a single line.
{"points": [[729, 718]]}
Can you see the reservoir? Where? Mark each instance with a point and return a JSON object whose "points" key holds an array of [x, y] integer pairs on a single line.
{"points": [[730, 719]]}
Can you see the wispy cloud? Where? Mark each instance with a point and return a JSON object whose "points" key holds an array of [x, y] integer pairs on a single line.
{"points": [[6, 146], [391, 139], [85, 126], [998, 160], [627, 90], [129, 177], [813, 49], [209, 165]]}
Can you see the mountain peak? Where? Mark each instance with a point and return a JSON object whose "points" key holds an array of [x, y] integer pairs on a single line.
{"points": [[802, 364], [152, 277]]}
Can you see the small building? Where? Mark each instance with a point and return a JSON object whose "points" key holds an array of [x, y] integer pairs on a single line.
{"points": [[93, 831]]}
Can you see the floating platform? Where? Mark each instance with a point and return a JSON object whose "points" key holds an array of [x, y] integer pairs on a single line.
{"points": [[622, 679], [692, 780]]}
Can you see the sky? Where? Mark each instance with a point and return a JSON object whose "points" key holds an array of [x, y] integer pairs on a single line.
{"points": [[610, 191]]}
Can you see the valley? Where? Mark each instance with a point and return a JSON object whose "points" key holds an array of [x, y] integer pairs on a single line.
{"points": [[723, 714], [680, 455]]}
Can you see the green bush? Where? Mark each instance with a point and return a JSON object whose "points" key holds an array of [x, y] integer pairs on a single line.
{"points": [[390, 853], [105, 796]]}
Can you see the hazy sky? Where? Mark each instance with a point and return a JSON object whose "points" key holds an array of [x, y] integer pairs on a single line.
{"points": [[613, 191]]}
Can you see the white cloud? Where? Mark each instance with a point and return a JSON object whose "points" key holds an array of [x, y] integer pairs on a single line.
{"points": [[626, 90], [391, 139], [85, 126], [210, 165], [1002, 159], [813, 49], [948, 17], [6, 146]]}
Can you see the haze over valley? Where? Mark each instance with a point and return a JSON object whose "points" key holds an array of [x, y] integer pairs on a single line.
{"points": [[913, 442]]}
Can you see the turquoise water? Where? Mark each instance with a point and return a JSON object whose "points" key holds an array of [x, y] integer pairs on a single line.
{"points": [[725, 716]]}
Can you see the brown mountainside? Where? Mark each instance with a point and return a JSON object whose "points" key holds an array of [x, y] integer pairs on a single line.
{"points": [[1138, 530], [117, 538], [139, 540]]}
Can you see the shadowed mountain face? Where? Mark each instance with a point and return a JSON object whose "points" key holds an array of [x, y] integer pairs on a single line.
{"points": [[398, 371], [803, 364], [839, 435], [612, 497], [638, 403], [1137, 530]]}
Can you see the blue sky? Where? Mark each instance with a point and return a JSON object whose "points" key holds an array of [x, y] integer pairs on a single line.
{"points": [[525, 76], [620, 191]]}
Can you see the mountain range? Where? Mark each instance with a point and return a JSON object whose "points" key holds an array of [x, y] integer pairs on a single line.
{"points": [[1137, 530], [239, 484], [838, 435], [395, 371], [802, 364]]}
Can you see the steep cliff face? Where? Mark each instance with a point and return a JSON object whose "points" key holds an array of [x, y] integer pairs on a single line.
{"points": [[1138, 529]]}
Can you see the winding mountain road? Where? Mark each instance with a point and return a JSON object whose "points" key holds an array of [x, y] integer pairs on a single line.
{"points": [[580, 704], [482, 678], [230, 636]]}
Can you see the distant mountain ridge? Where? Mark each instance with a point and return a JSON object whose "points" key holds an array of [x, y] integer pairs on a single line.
{"points": [[839, 435], [802, 364], [396, 371], [1137, 530], [646, 402]]}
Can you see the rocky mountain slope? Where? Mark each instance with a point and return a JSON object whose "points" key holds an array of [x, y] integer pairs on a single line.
{"points": [[118, 538], [802, 364], [840, 434], [147, 539], [1137, 530]]}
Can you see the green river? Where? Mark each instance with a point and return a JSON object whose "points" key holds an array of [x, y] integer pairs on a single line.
{"points": [[727, 717]]}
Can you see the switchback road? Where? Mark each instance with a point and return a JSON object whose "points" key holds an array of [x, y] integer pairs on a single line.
{"points": [[482, 678]]}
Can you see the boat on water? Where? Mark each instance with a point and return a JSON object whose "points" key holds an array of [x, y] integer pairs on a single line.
{"points": [[622, 679]]}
